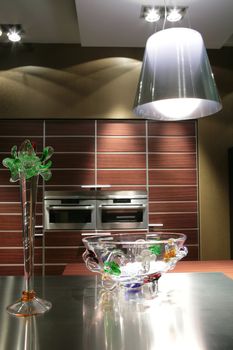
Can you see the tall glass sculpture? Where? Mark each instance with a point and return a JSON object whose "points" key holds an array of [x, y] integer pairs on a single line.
{"points": [[25, 166]]}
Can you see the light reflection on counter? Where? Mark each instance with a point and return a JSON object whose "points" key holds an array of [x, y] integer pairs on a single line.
{"points": [[115, 320]]}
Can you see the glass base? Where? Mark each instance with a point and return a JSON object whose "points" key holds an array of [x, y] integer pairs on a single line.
{"points": [[29, 305]]}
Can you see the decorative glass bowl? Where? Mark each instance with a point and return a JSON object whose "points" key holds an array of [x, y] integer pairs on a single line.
{"points": [[134, 261]]}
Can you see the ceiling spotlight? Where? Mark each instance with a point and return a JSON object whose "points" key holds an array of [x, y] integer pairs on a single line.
{"points": [[14, 36], [12, 32], [152, 15], [175, 14]]}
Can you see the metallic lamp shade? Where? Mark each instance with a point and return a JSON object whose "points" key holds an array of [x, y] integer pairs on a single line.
{"points": [[176, 80]]}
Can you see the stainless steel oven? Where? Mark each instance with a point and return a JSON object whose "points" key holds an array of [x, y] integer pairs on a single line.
{"points": [[69, 210], [122, 210], [95, 210]]}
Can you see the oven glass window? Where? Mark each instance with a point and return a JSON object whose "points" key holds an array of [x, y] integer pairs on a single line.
{"points": [[69, 216], [119, 215]]}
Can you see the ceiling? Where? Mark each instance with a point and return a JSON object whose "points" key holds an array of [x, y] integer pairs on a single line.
{"points": [[111, 23]]}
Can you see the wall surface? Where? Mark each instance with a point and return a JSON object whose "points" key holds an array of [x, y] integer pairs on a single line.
{"points": [[215, 137], [157, 157], [67, 81]]}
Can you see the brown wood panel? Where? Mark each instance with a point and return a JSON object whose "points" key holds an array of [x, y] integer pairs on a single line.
{"points": [[174, 221], [173, 193], [69, 127], [18, 270], [186, 128], [193, 254], [9, 194], [21, 127], [125, 188], [180, 160], [72, 177], [71, 144], [63, 238], [74, 160], [11, 239], [14, 239], [172, 177], [10, 222], [63, 255], [192, 235], [54, 269], [6, 143], [10, 208], [117, 144], [5, 178], [15, 256], [16, 208], [121, 177], [14, 222], [173, 207], [116, 128], [172, 144], [78, 269], [121, 161]]}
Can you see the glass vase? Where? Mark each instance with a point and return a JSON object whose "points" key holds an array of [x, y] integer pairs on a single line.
{"points": [[29, 304]]}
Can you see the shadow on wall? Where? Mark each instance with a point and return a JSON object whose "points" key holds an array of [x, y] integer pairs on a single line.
{"points": [[215, 137], [102, 88]]}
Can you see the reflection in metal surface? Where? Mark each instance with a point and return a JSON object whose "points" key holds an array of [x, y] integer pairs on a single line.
{"points": [[192, 312], [115, 320]]}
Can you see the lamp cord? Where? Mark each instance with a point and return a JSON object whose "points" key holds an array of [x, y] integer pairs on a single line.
{"points": [[165, 14]]}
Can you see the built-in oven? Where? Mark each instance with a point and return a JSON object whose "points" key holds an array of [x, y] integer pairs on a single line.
{"points": [[122, 210], [69, 210]]}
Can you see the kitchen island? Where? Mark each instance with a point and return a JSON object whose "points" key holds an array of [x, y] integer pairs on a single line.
{"points": [[193, 311]]}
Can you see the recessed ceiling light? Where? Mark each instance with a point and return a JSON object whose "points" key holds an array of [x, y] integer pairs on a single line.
{"points": [[174, 15], [14, 36], [152, 15]]}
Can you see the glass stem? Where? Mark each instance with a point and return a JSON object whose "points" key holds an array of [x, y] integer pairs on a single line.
{"points": [[28, 190]]}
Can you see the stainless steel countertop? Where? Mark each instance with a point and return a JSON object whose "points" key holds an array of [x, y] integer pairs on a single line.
{"points": [[194, 311]]}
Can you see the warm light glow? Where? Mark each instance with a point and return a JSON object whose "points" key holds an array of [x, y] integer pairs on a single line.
{"points": [[174, 15], [177, 107], [0, 31], [14, 36], [152, 15]]}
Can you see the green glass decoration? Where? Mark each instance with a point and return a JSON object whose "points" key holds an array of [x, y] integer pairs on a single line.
{"points": [[26, 163], [112, 268], [25, 166], [155, 249]]}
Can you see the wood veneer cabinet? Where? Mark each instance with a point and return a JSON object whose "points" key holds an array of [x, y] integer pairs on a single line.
{"points": [[128, 154]]}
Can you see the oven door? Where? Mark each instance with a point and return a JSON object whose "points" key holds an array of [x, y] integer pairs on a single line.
{"points": [[112, 215], [66, 216]]}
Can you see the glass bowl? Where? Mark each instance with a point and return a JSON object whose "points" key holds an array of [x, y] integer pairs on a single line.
{"points": [[134, 261]]}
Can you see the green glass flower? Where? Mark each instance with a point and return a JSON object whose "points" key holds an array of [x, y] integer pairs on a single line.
{"points": [[155, 249], [112, 268], [26, 163]]}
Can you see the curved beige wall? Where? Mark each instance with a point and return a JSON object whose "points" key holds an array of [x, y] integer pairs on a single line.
{"points": [[103, 88], [215, 137]]}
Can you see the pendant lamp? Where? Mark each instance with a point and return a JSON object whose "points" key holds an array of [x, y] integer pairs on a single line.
{"points": [[176, 80]]}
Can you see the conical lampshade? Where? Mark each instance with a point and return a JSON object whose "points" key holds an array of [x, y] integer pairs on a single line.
{"points": [[176, 80]]}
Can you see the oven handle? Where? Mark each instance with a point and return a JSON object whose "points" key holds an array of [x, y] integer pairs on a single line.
{"points": [[74, 207], [139, 206]]}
